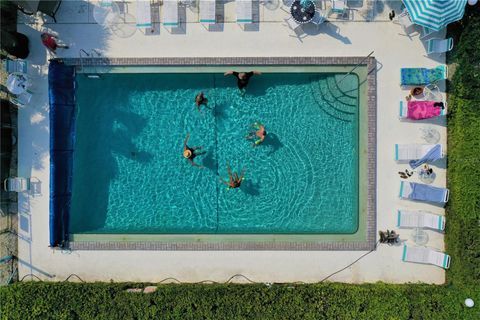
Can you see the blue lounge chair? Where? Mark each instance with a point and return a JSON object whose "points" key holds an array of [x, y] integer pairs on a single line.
{"points": [[423, 192], [439, 45], [422, 76]]}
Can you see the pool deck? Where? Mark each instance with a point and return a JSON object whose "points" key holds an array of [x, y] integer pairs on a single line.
{"points": [[270, 38]]}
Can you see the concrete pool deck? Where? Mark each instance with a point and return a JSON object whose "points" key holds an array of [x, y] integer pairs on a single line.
{"points": [[392, 49]]}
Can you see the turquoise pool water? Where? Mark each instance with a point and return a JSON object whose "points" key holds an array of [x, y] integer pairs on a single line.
{"points": [[130, 176]]}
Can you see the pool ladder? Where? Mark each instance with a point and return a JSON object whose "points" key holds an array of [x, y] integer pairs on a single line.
{"points": [[93, 54]]}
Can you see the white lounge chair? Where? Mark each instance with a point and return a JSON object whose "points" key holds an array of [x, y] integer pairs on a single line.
{"points": [[426, 32], [16, 66], [208, 12], [404, 152], [426, 256], [144, 14], [170, 13], [423, 192], [439, 45], [403, 114], [420, 219], [16, 184], [244, 10]]}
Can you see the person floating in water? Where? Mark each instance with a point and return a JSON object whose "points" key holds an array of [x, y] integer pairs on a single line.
{"points": [[242, 78], [190, 153], [201, 100], [234, 181], [258, 135]]}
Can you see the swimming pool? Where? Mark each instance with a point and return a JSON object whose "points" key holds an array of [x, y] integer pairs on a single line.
{"points": [[130, 176]]}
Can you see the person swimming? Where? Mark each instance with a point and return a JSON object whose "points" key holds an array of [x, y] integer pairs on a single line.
{"points": [[200, 100], [190, 153], [242, 77], [234, 181], [258, 136]]}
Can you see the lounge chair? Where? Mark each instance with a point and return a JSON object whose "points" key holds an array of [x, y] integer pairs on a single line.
{"points": [[144, 14], [423, 192], [426, 32], [407, 152], [207, 12], [413, 112], [244, 11], [170, 13], [419, 219], [16, 66], [422, 76], [16, 184], [439, 45], [426, 256]]}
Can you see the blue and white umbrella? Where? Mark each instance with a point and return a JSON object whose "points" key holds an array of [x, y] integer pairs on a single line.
{"points": [[435, 14]]}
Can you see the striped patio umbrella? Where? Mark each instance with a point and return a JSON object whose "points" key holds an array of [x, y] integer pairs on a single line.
{"points": [[435, 14]]}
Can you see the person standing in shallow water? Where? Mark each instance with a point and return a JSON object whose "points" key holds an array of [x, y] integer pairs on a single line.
{"points": [[242, 78], [190, 153]]}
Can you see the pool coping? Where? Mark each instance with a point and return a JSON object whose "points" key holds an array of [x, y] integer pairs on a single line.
{"points": [[371, 215]]}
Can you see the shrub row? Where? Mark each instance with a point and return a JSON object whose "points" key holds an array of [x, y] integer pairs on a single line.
{"points": [[463, 212], [42, 300]]}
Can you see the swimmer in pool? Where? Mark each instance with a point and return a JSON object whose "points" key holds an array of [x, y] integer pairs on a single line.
{"points": [[257, 136], [234, 181], [190, 153], [200, 100], [242, 78]]}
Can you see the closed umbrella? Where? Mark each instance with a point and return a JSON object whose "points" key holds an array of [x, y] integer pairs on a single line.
{"points": [[435, 14]]}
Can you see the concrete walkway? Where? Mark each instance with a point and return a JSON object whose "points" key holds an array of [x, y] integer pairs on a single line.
{"points": [[393, 50]]}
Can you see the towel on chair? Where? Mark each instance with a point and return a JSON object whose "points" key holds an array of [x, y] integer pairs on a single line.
{"points": [[427, 193], [434, 154], [422, 110]]}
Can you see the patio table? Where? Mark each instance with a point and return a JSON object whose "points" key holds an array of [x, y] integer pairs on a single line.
{"points": [[17, 83], [104, 12], [302, 14]]}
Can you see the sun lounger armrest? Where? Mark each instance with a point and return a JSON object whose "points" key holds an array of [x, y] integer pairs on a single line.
{"points": [[447, 194], [447, 264]]}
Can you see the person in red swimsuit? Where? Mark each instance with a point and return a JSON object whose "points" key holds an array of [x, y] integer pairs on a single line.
{"points": [[51, 43]]}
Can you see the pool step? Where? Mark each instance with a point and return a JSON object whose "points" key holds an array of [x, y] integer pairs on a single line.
{"points": [[330, 108], [331, 103]]}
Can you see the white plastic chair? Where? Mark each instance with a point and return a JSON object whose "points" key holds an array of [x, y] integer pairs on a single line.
{"points": [[22, 99], [406, 22], [339, 6], [16, 184], [295, 27], [318, 18], [439, 45]]}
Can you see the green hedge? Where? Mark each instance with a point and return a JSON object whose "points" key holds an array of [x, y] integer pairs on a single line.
{"points": [[463, 211], [65, 300]]}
